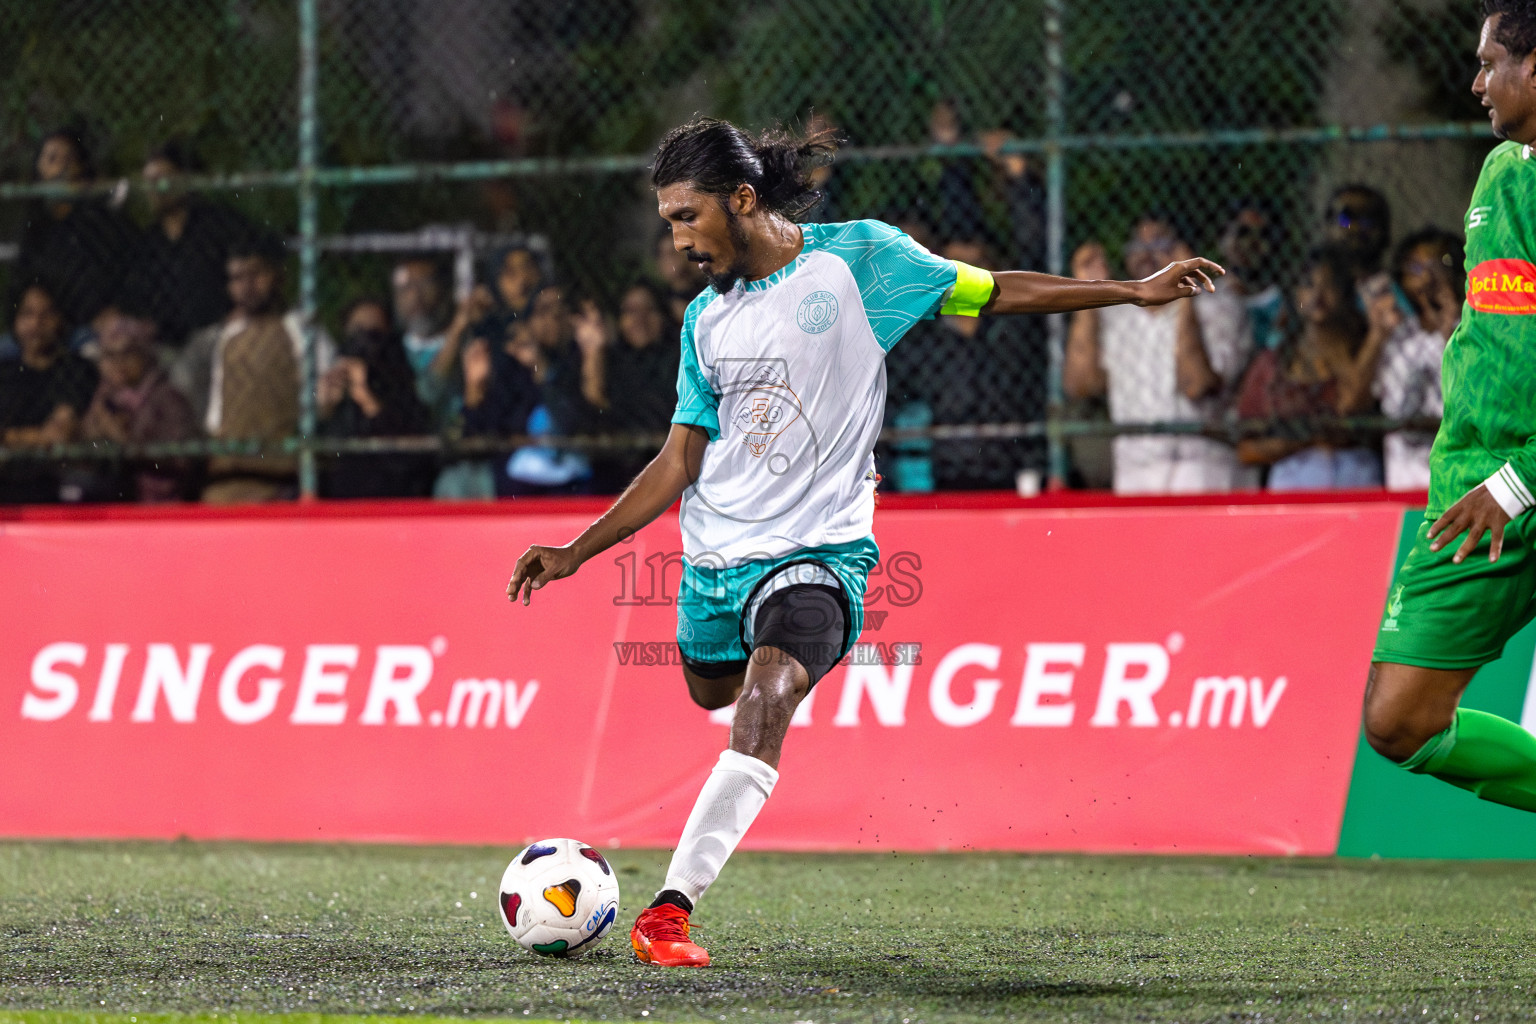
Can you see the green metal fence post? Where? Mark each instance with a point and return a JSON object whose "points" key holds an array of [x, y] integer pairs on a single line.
{"points": [[1055, 226], [309, 229]]}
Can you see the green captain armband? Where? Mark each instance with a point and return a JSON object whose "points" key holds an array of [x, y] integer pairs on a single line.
{"points": [[972, 290]]}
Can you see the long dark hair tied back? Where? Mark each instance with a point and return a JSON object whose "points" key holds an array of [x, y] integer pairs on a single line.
{"points": [[716, 157]]}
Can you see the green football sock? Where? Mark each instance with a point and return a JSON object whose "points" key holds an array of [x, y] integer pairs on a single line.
{"points": [[1488, 755]]}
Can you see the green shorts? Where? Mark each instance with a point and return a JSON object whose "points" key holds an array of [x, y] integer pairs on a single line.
{"points": [[1443, 615], [712, 602]]}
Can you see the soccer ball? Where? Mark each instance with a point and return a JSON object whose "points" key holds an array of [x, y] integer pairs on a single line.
{"points": [[558, 897]]}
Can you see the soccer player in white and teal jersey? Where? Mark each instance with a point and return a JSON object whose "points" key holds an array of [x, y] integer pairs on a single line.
{"points": [[781, 390]]}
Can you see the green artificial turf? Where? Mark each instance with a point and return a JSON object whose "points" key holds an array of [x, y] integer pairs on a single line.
{"points": [[202, 929], [214, 1017]]}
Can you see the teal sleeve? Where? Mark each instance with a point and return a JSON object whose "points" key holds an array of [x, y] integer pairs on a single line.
{"points": [[899, 281], [697, 402]]}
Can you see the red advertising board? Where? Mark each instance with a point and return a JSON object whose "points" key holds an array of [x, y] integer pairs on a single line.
{"points": [[1137, 679]]}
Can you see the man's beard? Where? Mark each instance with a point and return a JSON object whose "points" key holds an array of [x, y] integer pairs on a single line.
{"points": [[726, 279]]}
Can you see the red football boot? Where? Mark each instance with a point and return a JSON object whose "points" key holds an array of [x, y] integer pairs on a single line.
{"points": [[660, 936]]}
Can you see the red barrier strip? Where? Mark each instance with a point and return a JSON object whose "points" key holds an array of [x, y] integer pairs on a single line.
{"points": [[596, 504]]}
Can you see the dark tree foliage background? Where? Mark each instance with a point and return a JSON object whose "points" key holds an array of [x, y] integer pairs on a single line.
{"points": [[434, 80]]}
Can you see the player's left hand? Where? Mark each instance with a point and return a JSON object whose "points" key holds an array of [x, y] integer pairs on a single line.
{"points": [[1475, 513], [539, 565], [1178, 280]]}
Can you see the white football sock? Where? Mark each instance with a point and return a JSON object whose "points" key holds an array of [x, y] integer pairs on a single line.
{"points": [[736, 790]]}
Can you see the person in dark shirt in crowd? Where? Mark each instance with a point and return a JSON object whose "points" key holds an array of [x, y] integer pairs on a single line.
{"points": [[136, 403], [1023, 194], [78, 247], [476, 337], [1249, 244], [539, 381], [180, 264], [965, 370], [516, 278], [573, 382], [640, 368], [638, 373], [370, 391], [500, 392], [957, 210], [42, 394], [511, 279], [1358, 224]]}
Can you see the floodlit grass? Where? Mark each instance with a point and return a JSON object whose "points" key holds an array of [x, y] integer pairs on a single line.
{"points": [[99, 933], [78, 1017]]}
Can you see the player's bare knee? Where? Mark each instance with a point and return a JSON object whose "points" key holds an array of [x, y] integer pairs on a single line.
{"points": [[777, 678], [710, 699], [1397, 732], [1385, 728], [1406, 707], [1394, 746], [713, 694]]}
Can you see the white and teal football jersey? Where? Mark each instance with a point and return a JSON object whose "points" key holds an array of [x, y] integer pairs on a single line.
{"points": [[787, 376]]}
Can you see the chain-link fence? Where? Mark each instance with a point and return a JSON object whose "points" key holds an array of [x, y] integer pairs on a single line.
{"points": [[268, 247]]}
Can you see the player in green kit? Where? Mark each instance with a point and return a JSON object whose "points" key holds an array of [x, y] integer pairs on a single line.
{"points": [[1469, 584]]}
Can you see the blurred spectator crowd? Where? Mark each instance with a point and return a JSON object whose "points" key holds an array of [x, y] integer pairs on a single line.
{"points": [[179, 330]]}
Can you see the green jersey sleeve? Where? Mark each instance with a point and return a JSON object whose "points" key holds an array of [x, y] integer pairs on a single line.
{"points": [[1488, 434], [1504, 288]]}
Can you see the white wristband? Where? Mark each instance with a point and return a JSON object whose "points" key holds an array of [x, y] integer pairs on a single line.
{"points": [[1509, 491]]}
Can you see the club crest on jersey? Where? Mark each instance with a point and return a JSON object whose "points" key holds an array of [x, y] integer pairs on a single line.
{"points": [[818, 311], [767, 407]]}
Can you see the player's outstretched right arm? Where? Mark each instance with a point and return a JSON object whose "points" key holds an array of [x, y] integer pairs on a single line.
{"points": [[1022, 291], [651, 493]]}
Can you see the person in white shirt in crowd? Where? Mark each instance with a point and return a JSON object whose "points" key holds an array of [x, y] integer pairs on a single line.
{"points": [[1428, 270], [1160, 365]]}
